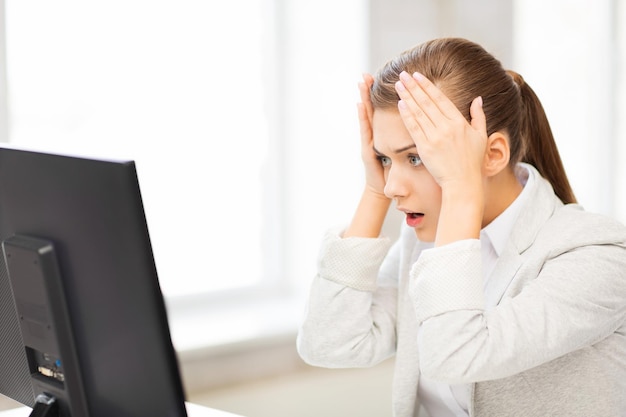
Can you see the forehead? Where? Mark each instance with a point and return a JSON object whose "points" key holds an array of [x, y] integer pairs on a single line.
{"points": [[388, 131]]}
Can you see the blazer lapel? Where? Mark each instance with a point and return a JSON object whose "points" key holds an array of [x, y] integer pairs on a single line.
{"points": [[539, 207]]}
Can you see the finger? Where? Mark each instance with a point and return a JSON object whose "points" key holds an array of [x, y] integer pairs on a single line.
{"points": [[411, 123], [368, 79], [442, 103], [365, 99], [412, 112], [433, 103], [477, 114], [364, 89], [364, 125]]}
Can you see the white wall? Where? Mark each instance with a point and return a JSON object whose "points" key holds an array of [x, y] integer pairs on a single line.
{"points": [[619, 96], [4, 125], [567, 51], [396, 25]]}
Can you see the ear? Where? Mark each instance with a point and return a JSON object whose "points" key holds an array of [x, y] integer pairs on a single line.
{"points": [[497, 153]]}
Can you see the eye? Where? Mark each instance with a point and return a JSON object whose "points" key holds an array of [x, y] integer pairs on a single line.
{"points": [[385, 161], [415, 160]]}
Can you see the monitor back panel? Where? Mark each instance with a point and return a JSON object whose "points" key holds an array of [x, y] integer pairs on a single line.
{"points": [[14, 374]]}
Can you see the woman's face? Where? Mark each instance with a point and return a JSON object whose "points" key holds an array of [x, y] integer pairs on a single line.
{"points": [[408, 182]]}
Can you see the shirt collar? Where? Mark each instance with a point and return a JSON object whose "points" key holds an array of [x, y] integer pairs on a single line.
{"points": [[498, 231]]}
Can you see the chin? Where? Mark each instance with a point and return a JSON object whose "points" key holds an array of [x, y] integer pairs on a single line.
{"points": [[425, 235]]}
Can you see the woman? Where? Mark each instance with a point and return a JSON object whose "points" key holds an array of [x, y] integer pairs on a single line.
{"points": [[502, 296]]}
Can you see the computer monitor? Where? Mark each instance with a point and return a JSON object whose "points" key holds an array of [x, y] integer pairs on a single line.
{"points": [[82, 317]]}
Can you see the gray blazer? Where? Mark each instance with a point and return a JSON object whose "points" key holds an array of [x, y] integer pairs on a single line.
{"points": [[555, 345]]}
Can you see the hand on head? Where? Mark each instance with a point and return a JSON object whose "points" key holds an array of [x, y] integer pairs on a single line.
{"points": [[452, 149]]}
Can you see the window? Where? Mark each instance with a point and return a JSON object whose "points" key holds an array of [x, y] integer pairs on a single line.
{"points": [[182, 88]]}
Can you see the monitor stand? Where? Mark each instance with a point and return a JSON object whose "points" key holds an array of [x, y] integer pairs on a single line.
{"points": [[45, 406]]}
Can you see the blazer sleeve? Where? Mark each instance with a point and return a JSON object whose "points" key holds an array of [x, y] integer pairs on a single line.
{"points": [[577, 299], [351, 313]]}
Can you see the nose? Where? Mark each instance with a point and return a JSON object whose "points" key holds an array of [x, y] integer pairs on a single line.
{"points": [[395, 185]]}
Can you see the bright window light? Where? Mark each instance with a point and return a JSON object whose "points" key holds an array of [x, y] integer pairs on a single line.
{"points": [[181, 88]]}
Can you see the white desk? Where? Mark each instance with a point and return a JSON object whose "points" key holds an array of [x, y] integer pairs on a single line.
{"points": [[193, 410]]}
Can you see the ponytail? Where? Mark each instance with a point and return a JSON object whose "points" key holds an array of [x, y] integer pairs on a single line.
{"points": [[540, 149]]}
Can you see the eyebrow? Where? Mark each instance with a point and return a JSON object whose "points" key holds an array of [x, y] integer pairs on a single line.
{"points": [[406, 148]]}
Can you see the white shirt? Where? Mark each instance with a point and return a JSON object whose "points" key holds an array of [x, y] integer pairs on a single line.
{"points": [[439, 398]]}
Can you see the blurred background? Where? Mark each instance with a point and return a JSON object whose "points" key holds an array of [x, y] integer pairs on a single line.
{"points": [[241, 118]]}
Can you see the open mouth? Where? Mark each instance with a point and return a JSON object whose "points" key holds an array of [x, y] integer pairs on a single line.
{"points": [[414, 219]]}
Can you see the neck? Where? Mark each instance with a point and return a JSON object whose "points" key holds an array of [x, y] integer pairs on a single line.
{"points": [[500, 191]]}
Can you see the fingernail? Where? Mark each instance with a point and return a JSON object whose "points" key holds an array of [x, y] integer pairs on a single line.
{"points": [[400, 86], [405, 76], [480, 101], [402, 105], [419, 77]]}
